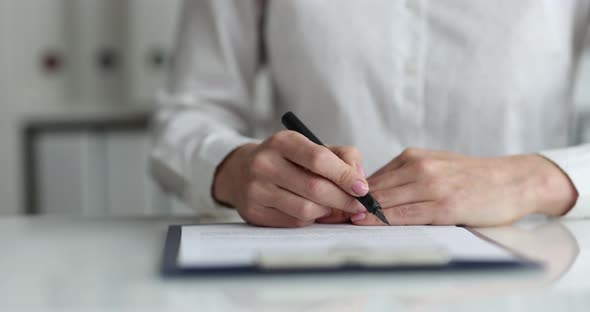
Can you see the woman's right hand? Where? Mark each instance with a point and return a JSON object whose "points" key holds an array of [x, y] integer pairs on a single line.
{"points": [[289, 181]]}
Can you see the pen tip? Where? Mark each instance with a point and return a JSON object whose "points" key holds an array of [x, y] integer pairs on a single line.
{"points": [[381, 216]]}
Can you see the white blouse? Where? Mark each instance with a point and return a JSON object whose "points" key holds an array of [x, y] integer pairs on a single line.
{"points": [[475, 77]]}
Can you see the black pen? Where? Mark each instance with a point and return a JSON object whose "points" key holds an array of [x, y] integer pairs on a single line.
{"points": [[293, 123]]}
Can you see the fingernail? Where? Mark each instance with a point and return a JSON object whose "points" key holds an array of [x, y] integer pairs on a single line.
{"points": [[360, 170], [360, 188], [358, 217]]}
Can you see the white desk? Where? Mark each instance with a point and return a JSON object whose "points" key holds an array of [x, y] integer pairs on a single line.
{"points": [[61, 264]]}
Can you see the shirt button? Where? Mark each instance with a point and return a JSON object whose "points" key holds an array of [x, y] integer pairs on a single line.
{"points": [[410, 4], [410, 68]]}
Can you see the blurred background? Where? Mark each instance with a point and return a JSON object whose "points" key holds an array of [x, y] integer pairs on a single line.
{"points": [[78, 79]]}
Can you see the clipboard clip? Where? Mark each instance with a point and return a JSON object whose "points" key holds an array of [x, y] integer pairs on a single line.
{"points": [[353, 257]]}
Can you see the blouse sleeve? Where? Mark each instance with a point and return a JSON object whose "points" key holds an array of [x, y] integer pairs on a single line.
{"points": [[206, 109]]}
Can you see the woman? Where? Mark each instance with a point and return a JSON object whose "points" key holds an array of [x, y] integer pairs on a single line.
{"points": [[483, 88]]}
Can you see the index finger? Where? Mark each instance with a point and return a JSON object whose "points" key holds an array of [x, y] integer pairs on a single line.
{"points": [[320, 160]]}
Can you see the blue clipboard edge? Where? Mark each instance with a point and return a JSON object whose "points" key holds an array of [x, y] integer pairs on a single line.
{"points": [[169, 267]]}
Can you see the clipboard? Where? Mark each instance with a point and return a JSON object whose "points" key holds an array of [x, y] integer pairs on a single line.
{"points": [[344, 261]]}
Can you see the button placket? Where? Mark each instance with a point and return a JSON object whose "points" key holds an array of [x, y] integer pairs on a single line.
{"points": [[413, 67]]}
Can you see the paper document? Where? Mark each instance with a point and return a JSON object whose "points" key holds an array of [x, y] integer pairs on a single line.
{"points": [[240, 244]]}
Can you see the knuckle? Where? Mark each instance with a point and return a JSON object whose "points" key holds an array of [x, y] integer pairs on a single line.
{"points": [[343, 176], [260, 164], [352, 152], [274, 140], [278, 138], [411, 153], [424, 166], [379, 196], [410, 211], [403, 211], [318, 157], [314, 185], [306, 211]]}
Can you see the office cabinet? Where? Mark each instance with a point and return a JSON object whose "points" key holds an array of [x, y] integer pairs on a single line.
{"points": [[96, 47], [70, 173], [151, 30], [120, 49], [60, 56], [34, 40], [86, 52], [131, 190], [93, 167]]}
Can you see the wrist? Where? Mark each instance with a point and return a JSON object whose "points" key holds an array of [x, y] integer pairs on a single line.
{"points": [[552, 191], [228, 174]]}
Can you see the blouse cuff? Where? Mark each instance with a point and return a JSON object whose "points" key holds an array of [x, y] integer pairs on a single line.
{"points": [[575, 162], [205, 160]]}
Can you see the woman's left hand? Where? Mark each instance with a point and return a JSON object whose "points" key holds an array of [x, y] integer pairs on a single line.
{"points": [[433, 187]]}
